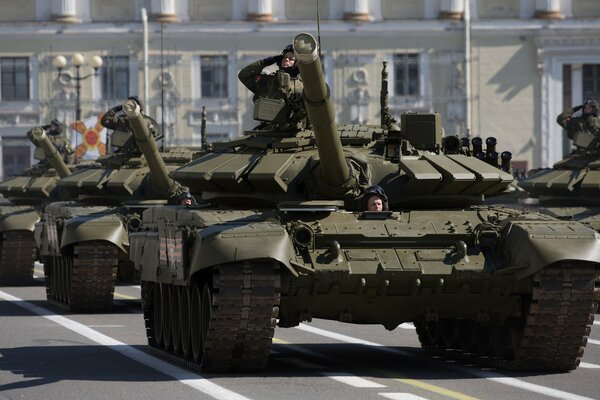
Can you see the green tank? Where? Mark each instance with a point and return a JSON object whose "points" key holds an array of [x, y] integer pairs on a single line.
{"points": [[84, 242], [570, 190], [27, 192], [285, 239]]}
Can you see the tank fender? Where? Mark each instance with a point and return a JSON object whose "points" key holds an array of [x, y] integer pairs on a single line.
{"points": [[534, 245], [222, 243], [21, 220], [105, 227]]}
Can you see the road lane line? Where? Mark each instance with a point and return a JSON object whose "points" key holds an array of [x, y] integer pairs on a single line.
{"points": [[588, 365], [596, 322], [125, 296], [593, 341], [188, 378], [491, 376], [411, 382], [401, 396], [352, 380], [407, 325]]}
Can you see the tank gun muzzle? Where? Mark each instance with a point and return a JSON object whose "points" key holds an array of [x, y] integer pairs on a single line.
{"points": [[334, 170], [40, 139], [147, 145]]}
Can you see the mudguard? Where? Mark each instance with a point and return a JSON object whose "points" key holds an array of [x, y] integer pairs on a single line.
{"points": [[534, 245], [18, 218], [106, 227], [224, 243]]}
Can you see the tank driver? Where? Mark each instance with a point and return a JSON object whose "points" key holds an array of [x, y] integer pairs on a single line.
{"points": [[277, 95], [582, 125], [375, 199]]}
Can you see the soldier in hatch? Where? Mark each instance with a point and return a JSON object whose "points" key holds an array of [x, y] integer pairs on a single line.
{"points": [[283, 85], [55, 131], [582, 124]]}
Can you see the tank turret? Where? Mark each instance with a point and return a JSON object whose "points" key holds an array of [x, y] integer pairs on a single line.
{"points": [[40, 140]]}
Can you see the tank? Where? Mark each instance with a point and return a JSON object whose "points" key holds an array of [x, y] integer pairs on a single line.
{"points": [[27, 192], [84, 242], [285, 239], [570, 190]]}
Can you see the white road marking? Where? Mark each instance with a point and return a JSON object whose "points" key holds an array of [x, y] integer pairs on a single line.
{"points": [[596, 322], [188, 378], [402, 396], [352, 380], [593, 341], [588, 365], [491, 376], [106, 326], [407, 325]]}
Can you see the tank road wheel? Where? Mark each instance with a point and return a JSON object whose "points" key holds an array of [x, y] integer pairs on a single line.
{"points": [[18, 252], [449, 333], [157, 315], [245, 301], [483, 341], [167, 317], [93, 276], [176, 317], [60, 282], [558, 319], [467, 338], [503, 340], [185, 317], [196, 327]]}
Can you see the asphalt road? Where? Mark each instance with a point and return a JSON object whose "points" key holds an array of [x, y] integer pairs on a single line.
{"points": [[48, 353]]}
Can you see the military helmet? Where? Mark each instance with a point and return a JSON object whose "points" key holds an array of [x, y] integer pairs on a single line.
{"points": [[593, 104], [376, 191]]}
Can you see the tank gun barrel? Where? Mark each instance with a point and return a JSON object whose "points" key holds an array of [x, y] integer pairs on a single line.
{"points": [[147, 145], [319, 107], [39, 138]]}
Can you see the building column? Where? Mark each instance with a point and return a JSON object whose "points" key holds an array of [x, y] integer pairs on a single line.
{"points": [[260, 10], [548, 9], [163, 10], [356, 10], [65, 11], [452, 9]]}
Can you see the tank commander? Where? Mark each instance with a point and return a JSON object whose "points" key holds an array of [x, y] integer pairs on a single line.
{"points": [[186, 198], [284, 84], [55, 131], [375, 199], [582, 124]]}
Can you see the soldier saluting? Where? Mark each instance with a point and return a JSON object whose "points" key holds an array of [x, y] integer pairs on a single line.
{"points": [[583, 129], [283, 87]]}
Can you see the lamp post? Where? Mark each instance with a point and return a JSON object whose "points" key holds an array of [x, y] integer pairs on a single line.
{"points": [[78, 60]]}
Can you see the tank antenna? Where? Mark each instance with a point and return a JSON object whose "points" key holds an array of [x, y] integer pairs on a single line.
{"points": [[319, 29], [203, 140], [162, 88]]}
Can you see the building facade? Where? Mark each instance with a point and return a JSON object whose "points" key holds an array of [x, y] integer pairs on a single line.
{"points": [[526, 61]]}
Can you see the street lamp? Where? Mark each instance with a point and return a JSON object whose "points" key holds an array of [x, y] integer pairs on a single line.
{"points": [[78, 60]]}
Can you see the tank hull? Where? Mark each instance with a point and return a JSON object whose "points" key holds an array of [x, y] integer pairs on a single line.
{"points": [[479, 265]]}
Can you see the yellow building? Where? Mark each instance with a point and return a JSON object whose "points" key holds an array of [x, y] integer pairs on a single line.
{"points": [[527, 60]]}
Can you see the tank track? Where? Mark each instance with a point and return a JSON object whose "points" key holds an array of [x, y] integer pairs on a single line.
{"points": [[18, 252], [245, 304], [550, 335], [85, 281]]}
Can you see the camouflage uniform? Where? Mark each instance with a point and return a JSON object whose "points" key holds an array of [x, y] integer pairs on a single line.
{"points": [[276, 86], [586, 123]]}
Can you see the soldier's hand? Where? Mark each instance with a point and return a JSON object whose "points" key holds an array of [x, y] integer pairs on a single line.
{"points": [[574, 109], [273, 60]]}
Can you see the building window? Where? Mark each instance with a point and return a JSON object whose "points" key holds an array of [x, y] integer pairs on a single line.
{"points": [[115, 78], [406, 75], [213, 76], [15, 159], [591, 81], [15, 78]]}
